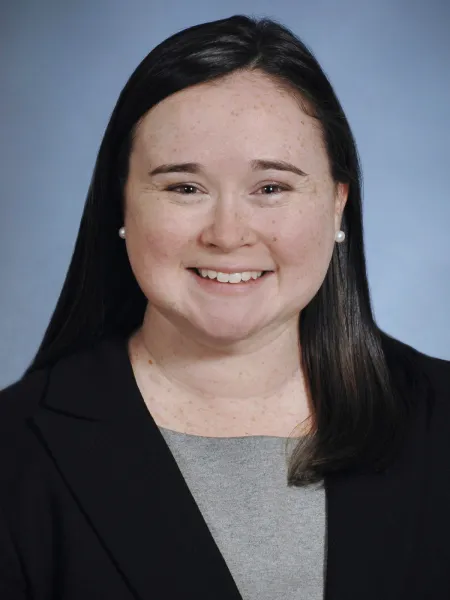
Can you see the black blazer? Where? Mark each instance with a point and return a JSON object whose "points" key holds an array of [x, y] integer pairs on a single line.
{"points": [[93, 505]]}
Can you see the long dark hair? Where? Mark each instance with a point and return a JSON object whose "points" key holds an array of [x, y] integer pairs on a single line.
{"points": [[358, 410]]}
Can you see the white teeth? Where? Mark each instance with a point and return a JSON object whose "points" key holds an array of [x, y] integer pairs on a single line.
{"points": [[230, 277]]}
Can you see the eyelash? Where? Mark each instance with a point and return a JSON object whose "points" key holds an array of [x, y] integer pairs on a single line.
{"points": [[172, 188]]}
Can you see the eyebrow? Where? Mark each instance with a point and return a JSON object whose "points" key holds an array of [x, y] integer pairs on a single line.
{"points": [[256, 165]]}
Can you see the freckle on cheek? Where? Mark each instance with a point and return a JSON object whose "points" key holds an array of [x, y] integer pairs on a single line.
{"points": [[275, 239]]}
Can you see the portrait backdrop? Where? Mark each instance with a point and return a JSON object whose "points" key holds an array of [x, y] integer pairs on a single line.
{"points": [[64, 64]]}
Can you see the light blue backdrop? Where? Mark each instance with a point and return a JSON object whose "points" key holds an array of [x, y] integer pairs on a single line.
{"points": [[63, 65]]}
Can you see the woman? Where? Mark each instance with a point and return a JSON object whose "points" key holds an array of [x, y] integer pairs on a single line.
{"points": [[216, 308]]}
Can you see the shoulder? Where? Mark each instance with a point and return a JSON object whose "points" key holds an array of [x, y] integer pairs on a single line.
{"points": [[82, 382], [20, 399], [23, 399], [424, 382], [24, 458], [23, 462], [437, 369], [437, 373], [19, 402], [416, 364], [74, 369]]}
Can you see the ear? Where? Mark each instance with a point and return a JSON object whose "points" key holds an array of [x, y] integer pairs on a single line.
{"points": [[340, 201]]}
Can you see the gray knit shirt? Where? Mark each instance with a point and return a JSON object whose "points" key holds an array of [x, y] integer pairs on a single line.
{"points": [[272, 537]]}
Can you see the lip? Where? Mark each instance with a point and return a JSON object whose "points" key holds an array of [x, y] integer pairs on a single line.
{"points": [[234, 269]]}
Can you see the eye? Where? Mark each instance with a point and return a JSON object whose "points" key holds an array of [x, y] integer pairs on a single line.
{"points": [[283, 188], [183, 186]]}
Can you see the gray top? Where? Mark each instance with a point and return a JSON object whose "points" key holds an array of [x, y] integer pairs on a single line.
{"points": [[272, 537]]}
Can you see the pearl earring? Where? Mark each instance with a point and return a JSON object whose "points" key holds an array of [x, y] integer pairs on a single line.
{"points": [[340, 236], [122, 232]]}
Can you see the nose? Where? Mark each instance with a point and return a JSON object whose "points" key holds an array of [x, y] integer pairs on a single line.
{"points": [[229, 227]]}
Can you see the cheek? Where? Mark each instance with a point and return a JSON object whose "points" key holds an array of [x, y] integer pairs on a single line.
{"points": [[156, 236], [304, 241], [156, 243]]}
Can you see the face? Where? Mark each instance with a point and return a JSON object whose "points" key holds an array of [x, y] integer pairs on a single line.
{"points": [[229, 212]]}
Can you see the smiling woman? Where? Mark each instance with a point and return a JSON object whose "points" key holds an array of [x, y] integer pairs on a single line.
{"points": [[217, 307]]}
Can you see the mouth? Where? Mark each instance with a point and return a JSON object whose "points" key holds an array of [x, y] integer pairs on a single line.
{"points": [[197, 272], [230, 286]]}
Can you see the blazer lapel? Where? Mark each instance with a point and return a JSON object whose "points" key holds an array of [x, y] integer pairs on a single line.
{"points": [[119, 467]]}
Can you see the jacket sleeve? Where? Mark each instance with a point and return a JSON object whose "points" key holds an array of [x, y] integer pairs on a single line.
{"points": [[12, 584]]}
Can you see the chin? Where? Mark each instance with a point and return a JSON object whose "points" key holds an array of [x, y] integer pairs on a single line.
{"points": [[225, 332]]}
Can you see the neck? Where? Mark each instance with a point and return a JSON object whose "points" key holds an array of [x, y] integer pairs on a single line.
{"points": [[253, 387], [256, 369]]}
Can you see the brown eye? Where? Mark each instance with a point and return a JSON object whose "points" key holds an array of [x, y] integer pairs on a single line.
{"points": [[182, 187], [273, 186]]}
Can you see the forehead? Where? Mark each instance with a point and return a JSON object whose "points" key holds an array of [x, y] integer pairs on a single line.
{"points": [[242, 114]]}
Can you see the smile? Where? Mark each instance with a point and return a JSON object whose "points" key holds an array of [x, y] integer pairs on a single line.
{"points": [[217, 282], [229, 277]]}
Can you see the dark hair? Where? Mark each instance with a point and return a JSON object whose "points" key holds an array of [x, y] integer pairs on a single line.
{"points": [[358, 410]]}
